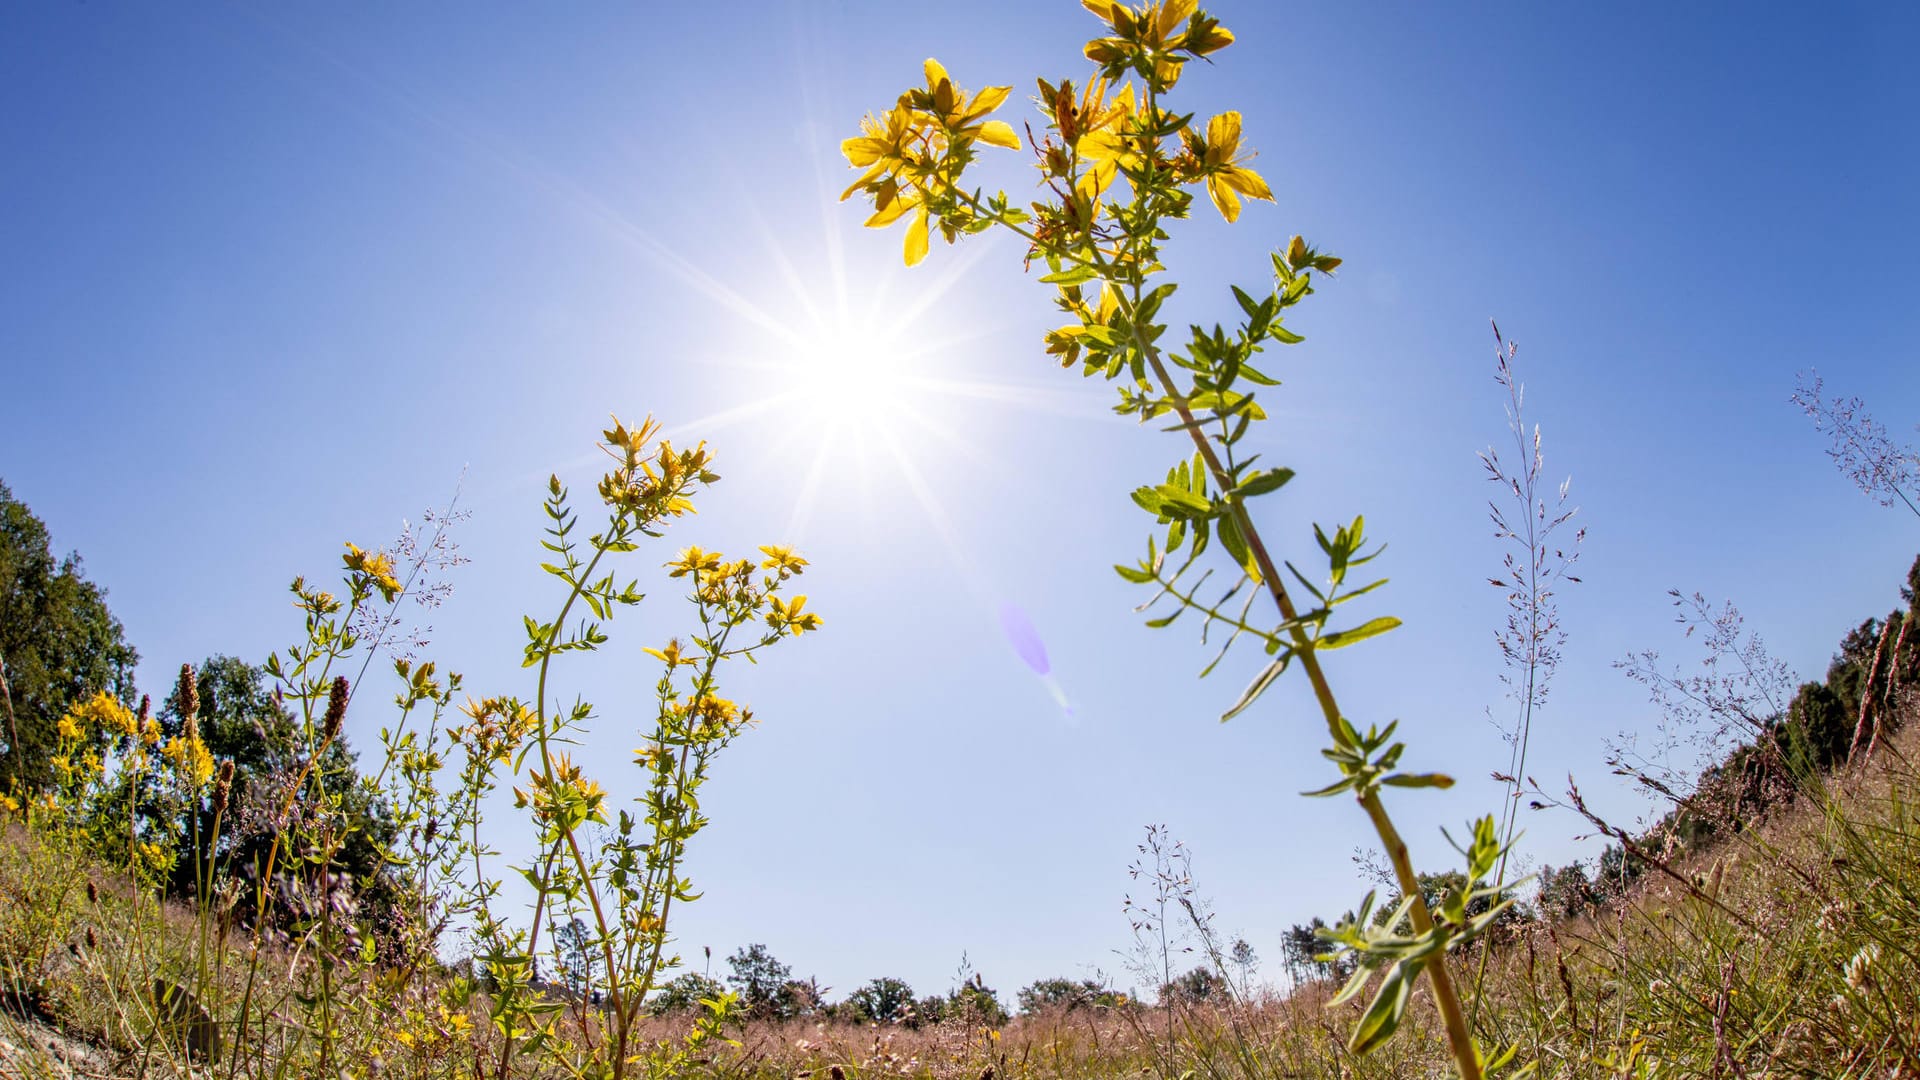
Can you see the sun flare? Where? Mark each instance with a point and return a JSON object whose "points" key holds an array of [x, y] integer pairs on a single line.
{"points": [[849, 376]]}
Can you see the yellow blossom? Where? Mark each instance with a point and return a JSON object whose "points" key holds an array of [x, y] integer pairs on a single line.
{"points": [[190, 758], [150, 732], [376, 566], [671, 655], [694, 561], [1102, 136], [1217, 159], [791, 618], [67, 728], [782, 558], [961, 118], [10, 804]]}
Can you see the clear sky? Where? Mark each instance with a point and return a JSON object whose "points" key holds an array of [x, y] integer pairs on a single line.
{"points": [[272, 276]]}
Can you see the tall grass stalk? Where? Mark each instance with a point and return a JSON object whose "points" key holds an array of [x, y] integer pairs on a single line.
{"points": [[1530, 570]]}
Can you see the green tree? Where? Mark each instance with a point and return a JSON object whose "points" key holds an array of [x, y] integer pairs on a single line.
{"points": [[58, 644], [684, 993], [242, 721], [882, 1001], [1069, 993], [757, 977]]}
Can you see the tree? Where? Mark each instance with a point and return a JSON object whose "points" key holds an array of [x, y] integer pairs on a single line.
{"points": [[574, 943], [1070, 993], [1200, 984], [882, 1001], [58, 644], [684, 993], [757, 977]]}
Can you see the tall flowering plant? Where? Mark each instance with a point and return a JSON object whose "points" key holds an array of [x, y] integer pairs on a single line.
{"points": [[1118, 162]]}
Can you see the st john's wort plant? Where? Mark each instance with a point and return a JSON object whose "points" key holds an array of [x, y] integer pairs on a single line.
{"points": [[619, 871], [1117, 162]]}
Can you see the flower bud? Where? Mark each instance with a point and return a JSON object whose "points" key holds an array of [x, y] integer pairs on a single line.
{"points": [[336, 709], [187, 694]]}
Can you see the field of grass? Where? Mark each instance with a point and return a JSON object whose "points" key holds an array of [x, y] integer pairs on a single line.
{"points": [[1788, 949]]}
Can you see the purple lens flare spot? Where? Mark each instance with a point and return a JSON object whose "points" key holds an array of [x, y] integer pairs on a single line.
{"points": [[1024, 638]]}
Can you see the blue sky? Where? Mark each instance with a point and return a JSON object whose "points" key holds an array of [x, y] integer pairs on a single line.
{"points": [[271, 278]]}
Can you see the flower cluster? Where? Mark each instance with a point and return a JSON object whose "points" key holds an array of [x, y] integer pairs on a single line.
{"points": [[372, 569], [652, 484], [912, 157]]}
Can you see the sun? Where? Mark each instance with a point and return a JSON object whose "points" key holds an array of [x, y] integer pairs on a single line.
{"points": [[849, 376]]}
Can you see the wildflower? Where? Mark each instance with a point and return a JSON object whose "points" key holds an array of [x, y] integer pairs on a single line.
{"points": [[1217, 159], [884, 148], [336, 713], [781, 557], [714, 711], [10, 804], [61, 765], [960, 118], [1103, 137], [150, 732], [790, 617], [694, 561], [186, 694], [1149, 34], [375, 567], [671, 655], [190, 759], [68, 728]]}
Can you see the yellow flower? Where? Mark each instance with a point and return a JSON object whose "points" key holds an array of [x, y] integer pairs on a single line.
{"points": [[10, 804], [67, 728], [1217, 159], [1102, 136], [694, 561], [376, 566], [714, 710], [61, 765], [671, 654], [782, 558], [1154, 30], [190, 758], [960, 118], [791, 618], [150, 732], [884, 147]]}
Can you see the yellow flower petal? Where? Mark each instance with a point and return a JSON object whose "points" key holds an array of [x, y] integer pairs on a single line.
{"points": [[916, 248], [1172, 14], [935, 73], [999, 133], [1223, 198], [1248, 183], [1223, 134]]}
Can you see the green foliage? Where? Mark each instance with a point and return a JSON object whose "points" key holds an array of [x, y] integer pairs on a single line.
{"points": [[757, 977], [685, 993], [58, 644], [1066, 993], [882, 1001]]}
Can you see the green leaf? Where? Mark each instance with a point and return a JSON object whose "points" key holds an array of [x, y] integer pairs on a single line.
{"points": [[1419, 780], [1138, 577], [1340, 639], [1258, 686], [1389, 1007], [1283, 335], [1075, 276], [1331, 789], [1263, 482]]}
